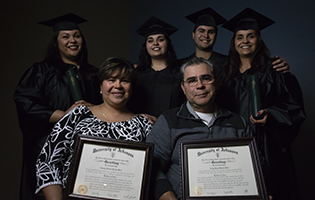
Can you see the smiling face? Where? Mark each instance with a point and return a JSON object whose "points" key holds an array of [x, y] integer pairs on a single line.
{"points": [[245, 42], [69, 45], [201, 96], [156, 45], [204, 37], [116, 91]]}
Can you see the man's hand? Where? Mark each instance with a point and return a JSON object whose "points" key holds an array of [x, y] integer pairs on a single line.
{"points": [[169, 195], [281, 65]]}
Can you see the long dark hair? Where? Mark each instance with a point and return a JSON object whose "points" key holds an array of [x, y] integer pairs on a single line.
{"points": [[259, 60], [53, 57], [145, 59]]}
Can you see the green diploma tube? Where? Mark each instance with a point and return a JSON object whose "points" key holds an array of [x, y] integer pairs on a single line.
{"points": [[254, 93], [74, 85]]}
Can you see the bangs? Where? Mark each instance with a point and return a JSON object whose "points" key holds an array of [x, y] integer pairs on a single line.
{"points": [[116, 68]]}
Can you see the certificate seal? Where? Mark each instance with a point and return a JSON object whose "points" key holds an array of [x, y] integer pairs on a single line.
{"points": [[197, 190], [82, 189]]}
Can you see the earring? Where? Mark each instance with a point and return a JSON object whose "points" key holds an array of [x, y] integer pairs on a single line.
{"points": [[101, 92]]}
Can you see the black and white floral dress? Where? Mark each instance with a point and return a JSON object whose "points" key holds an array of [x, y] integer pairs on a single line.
{"points": [[53, 163]]}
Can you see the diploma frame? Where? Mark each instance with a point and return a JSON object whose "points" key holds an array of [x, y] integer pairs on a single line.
{"points": [[82, 140], [248, 142]]}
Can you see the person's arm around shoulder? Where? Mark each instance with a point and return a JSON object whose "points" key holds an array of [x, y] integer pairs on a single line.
{"points": [[281, 65], [152, 119], [58, 114]]}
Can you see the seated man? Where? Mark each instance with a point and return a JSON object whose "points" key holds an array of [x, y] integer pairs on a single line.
{"points": [[198, 118]]}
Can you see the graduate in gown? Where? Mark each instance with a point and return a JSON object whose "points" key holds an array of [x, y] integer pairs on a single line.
{"points": [[204, 34], [43, 94], [158, 80], [277, 121]]}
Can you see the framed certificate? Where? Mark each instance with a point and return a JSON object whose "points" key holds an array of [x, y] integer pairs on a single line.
{"points": [[221, 169], [109, 169]]}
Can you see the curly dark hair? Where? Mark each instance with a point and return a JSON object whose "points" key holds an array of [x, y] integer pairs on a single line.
{"points": [[145, 59], [259, 60]]}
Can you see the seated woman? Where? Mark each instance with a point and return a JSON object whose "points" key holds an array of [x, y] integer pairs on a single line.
{"points": [[116, 78], [281, 113]]}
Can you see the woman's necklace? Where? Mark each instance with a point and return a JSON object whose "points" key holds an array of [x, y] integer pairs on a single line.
{"points": [[103, 113], [121, 117]]}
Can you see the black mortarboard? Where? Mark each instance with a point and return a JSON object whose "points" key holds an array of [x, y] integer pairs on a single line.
{"points": [[156, 26], [68, 21], [248, 19], [207, 17]]}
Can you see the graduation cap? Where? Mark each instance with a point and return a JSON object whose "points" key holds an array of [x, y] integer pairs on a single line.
{"points": [[156, 26], [207, 17], [248, 19], [68, 21]]}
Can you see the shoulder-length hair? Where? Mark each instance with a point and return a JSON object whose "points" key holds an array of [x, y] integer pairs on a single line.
{"points": [[120, 67], [145, 59], [259, 60], [53, 56]]}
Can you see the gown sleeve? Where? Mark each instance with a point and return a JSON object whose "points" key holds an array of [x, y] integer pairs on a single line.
{"points": [[57, 153], [295, 91], [287, 114], [33, 110]]}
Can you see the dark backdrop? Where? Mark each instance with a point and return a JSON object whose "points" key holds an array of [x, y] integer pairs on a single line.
{"points": [[291, 37], [110, 32], [23, 42]]}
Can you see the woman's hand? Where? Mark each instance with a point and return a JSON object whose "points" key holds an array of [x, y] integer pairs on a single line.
{"points": [[168, 196], [58, 114], [262, 121], [151, 118], [281, 65], [79, 103], [53, 192]]}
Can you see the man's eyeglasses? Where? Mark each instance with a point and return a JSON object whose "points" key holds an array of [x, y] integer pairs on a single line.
{"points": [[204, 79]]}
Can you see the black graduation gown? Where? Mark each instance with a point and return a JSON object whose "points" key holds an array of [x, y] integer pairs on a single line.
{"points": [[285, 116], [156, 91], [39, 93]]}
